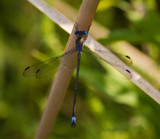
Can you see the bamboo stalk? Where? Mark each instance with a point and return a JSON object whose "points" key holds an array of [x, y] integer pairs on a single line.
{"points": [[64, 74], [65, 71]]}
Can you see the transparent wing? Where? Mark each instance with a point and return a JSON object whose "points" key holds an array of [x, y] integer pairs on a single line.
{"points": [[46, 68], [94, 58], [126, 58]]}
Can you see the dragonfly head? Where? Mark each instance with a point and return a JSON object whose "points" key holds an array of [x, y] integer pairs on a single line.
{"points": [[80, 33]]}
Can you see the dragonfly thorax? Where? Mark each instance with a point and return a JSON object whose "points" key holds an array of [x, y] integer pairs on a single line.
{"points": [[80, 40], [79, 47]]}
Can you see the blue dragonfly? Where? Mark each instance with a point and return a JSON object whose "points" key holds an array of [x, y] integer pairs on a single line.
{"points": [[81, 37], [45, 68]]}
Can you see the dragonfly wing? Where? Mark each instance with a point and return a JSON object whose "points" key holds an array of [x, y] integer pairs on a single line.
{"points": [[46, 68], [34, 69], [127, 59], [93, 59], [101, 68], [31, 70]]}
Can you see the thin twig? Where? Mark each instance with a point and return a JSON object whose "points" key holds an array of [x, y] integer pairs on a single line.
{"points": [[66, 68]]}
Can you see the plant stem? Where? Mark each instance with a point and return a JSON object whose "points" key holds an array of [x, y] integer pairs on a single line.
{"points": [[65, 71]]}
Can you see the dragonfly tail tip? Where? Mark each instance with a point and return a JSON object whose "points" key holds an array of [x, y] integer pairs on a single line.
{"points": [[73, 122]]}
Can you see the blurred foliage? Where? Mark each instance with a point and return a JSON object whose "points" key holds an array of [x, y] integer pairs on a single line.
{"points": [[107, 107]]}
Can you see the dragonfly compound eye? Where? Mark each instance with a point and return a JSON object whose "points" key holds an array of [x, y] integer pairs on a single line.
{"points": [[85, 32], [76, 32]]}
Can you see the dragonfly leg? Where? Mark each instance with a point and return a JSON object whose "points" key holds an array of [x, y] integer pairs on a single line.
{"points": [[76, 26]]}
